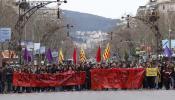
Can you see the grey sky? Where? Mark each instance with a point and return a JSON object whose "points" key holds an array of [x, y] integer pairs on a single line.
{"points": [[106, 8]]}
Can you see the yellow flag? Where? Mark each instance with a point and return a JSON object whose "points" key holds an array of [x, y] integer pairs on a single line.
{"points": [[61, 56], [82, 56], [106, 54]]}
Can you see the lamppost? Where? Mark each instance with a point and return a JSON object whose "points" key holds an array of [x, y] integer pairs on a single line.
{"points": [[127, 18], [151, 20], [26, 15]]}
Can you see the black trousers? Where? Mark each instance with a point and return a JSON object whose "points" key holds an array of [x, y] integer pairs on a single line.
{"points": [[1, 87], [167, 83], [151, 82]]}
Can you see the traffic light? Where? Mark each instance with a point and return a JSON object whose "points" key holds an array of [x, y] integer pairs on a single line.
{"points": [[58, 13], [127, 18], [128, 26], [68, 34], [68, 26]]}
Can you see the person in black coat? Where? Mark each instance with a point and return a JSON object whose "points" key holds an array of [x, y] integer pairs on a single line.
{"points": [[87, 68], [173, 76], [167, 77], [9, 78], [1, 90]]}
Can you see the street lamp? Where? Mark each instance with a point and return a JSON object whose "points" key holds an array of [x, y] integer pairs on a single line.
{"points": [[127, 18], [24, 5]]}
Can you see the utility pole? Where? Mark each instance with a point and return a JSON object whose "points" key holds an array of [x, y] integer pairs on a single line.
{"points": [[19, 33], [169, 37], [111, 36], [170, 14]]}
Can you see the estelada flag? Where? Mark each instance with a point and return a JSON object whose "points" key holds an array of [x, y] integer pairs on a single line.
{"points": [[60, 56], [98, 55], [75, 56], [82, 56], [106, 54]]}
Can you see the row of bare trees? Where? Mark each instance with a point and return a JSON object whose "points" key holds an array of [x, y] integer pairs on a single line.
{"points": [[46, 29], [140, 33]]}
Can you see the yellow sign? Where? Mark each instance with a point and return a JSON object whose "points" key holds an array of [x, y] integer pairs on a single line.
{"points": [[151, 71]]}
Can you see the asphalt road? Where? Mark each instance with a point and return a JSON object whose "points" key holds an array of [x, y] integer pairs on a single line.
{"points": [[96, 95]]}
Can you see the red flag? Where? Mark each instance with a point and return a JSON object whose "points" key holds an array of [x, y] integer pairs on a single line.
{"points": [[98, 55], [75, 56]]}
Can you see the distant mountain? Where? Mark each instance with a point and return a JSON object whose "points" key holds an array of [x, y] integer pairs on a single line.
{"points": [[89, 22]]}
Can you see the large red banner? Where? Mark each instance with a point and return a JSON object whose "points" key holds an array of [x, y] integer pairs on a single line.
{"points": [[117, 78], [46, 80]]}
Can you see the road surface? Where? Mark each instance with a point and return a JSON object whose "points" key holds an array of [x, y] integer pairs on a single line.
{"points": [[95, 95]]}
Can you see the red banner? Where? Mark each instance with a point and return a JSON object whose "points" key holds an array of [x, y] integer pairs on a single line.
{"points": [[45, 80], [117, 78]]}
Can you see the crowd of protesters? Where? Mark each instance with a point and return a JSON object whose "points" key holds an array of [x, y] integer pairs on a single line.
{"points": [[164, 80]]}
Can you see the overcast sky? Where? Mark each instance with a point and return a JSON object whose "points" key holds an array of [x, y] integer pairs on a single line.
{"points": [[106, 8]]}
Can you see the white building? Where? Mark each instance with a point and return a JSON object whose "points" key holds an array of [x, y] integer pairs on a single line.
{"points": [[89, 39], [164, 6]]}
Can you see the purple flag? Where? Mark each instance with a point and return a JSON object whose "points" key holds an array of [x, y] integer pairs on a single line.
{"points": [[27, 57], [167, 52], [49, 55]]}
